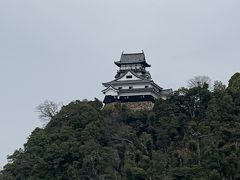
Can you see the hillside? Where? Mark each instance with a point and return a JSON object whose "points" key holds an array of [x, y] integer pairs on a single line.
{"points": [[195, 134]]}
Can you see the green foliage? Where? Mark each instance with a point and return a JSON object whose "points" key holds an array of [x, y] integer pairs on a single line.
{"points": [[135, 173], [194, 134]]}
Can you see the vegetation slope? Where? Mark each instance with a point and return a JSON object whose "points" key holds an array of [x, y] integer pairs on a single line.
{"points": [[194, 134]]}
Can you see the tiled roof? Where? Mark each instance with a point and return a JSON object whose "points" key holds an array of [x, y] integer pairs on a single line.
{"points": [[167, 91], [132, 58], [114, 83]]}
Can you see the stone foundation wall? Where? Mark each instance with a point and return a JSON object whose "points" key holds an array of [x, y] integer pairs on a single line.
{"points": [[135, 106], [145, 105]]}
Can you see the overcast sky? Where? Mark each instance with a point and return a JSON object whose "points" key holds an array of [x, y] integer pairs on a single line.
{"points": [[62, 50]]}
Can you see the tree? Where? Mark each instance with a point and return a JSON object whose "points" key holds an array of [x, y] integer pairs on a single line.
{"points": [[199, 81], [47, 110], [219, 86]]}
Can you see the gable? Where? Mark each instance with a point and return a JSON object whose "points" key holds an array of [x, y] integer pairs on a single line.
{"points": [[128, 77], [110, 91]]}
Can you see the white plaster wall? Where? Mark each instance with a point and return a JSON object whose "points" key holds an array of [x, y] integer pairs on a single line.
{"points": [[111, 92], [135, 86]]}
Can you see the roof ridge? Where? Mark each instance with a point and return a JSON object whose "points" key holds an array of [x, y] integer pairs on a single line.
{"points": [[132, 53]]}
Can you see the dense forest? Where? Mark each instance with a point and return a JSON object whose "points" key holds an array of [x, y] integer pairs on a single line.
{"points": [[194, 134]]}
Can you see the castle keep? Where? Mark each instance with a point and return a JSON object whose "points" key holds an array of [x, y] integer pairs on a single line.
{"points": [[133, 83]]}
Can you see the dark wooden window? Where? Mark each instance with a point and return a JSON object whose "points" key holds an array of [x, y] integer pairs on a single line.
{"points": [[119, 87], [129, 77], [130, 87], [146, 86]]}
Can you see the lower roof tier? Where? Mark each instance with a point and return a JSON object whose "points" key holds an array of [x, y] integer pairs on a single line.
{"points": [[111, 91]]}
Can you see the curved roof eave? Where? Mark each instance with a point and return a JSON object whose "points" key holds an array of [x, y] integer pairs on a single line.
{"points": [[119, 63], [157, 85], [110, 86]]}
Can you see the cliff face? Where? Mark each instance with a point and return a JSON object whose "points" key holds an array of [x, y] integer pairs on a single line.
{"points": [[194, 134]]}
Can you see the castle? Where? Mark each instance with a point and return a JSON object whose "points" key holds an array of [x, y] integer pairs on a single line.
{"points": [[133, 83]]}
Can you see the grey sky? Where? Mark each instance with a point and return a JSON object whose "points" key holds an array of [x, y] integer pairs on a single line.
{"points": [[62, 50]]}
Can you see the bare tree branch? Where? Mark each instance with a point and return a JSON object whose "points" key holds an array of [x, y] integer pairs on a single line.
{"points": [[199, 81], [47, 110]]}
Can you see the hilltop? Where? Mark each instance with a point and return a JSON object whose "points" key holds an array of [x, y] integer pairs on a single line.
{"points": [[194, 134]]}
